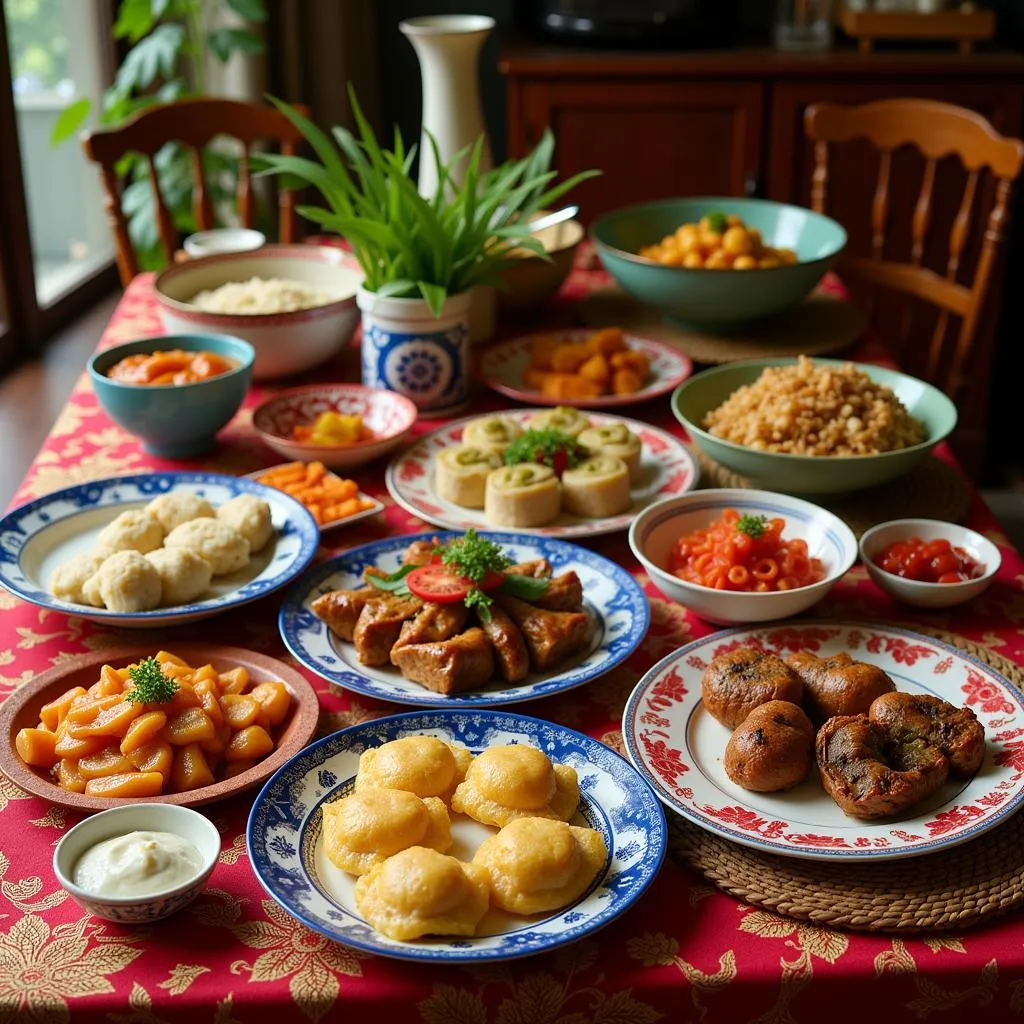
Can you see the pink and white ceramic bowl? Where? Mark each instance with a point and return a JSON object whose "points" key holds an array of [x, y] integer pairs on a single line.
{"points": [[389, 415], [285, 343]]}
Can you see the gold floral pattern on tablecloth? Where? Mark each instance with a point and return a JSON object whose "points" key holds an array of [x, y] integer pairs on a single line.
{"points": [[686, 954]]}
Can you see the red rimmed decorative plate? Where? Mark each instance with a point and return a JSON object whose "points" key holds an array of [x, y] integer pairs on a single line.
{"points": [[667, 469], [503, 365], [679, 747], [21, 710]]}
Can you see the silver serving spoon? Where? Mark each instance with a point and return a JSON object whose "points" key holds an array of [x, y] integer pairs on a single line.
{"points": [[549, 220]]}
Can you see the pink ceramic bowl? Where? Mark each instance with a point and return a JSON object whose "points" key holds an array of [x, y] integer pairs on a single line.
{"points": [[389, 415]]}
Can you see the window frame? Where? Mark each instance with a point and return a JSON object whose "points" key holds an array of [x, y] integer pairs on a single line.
{"points": [[25, 325]]}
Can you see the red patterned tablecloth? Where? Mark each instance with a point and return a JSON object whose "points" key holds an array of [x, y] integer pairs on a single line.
{"points": [[685, 952]]}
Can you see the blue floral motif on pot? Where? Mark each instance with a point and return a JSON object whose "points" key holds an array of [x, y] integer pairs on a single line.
{"points": [[429, 368]]}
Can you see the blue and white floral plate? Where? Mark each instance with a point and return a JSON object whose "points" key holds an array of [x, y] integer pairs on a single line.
{"points": [[286, 849], [38, 536], [615, 600]]}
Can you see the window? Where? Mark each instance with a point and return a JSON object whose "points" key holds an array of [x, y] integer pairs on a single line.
{"points": [[55, 245]]}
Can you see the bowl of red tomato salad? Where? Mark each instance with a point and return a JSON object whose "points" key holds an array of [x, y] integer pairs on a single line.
{"points": [[734, 556], [928, 563]]}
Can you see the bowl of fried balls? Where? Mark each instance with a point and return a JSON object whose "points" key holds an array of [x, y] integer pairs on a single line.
{"points": [[878, 751], [718, 262]]}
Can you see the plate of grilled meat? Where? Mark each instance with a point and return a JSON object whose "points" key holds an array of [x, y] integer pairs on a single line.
{"points": [[464, 619], [830, 740]]}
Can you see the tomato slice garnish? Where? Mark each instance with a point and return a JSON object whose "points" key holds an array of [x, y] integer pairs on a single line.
{"points": [[436, 582], [492, 581]]}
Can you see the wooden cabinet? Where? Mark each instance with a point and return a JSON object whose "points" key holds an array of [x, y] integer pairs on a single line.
{"points": [[662, 138], [731, 123]]}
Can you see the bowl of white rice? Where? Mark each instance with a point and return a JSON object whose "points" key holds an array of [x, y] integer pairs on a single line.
{"points": [[295, 304]]}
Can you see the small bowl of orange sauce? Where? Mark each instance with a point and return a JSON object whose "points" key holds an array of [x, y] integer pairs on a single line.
{"points": [[173, 393]]}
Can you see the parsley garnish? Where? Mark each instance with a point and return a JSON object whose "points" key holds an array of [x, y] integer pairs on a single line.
{"points": [[547, 446], [151, 685], [482, 602], [717, 221], [472, 557], [752, 526]]}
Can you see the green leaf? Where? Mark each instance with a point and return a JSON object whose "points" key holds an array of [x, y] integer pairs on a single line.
{"points": [[69, 120], [251, 10], [155, 55], [526, 588], [226, 41], [159, 8], [397, 289], [134, 20], [394, 582], [435, 295]]}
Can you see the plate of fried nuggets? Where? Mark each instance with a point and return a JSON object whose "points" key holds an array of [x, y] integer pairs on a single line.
{"points": [[399, 647]]}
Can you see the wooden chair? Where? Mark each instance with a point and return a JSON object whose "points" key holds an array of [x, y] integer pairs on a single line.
{"points": [[937, 131], [193, 123]]}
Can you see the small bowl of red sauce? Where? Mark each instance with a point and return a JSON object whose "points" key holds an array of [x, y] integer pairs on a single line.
{"points": [[174, 393], [928, 563]]}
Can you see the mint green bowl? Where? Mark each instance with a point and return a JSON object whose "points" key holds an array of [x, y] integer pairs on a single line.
{"points": [[718, 298], [809, 474]]}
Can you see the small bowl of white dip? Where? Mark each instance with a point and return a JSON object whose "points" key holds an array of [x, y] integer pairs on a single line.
{"points": [[137, 863]]}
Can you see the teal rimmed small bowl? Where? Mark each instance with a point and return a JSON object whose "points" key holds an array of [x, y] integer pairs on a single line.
{"points": [[811, 474], [718, 299], [175, 421]]}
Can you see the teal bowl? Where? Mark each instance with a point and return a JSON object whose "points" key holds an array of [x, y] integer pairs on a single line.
{"points": [[175, 421], [718, 299], [811, 474]]}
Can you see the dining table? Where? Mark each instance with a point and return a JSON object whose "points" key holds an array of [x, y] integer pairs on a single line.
{"points": [[685, 951]]}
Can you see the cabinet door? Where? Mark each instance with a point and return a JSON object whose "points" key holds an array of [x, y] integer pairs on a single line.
{"points": [[651, 139]]}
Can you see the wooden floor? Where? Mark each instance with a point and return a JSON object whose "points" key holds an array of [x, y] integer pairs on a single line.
{"points": [[32, 396]]}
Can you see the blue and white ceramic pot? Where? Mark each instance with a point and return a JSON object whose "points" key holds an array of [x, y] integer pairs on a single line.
{"points": [[409, 350]]}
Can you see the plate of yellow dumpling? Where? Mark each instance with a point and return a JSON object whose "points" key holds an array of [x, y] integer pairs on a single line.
{"points": [[456, 837]]}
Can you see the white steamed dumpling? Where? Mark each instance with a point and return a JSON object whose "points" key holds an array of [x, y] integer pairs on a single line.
{"points": [[250, 516], [177, 507], [133, 530], [226, 550], [125, 582], [184, 575]]}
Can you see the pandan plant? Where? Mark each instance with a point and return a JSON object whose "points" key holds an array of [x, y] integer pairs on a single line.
{"points": [[408, 245]]}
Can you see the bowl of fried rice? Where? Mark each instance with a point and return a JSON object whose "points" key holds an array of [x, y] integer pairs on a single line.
{"points": [[295, 304], [818, 426]]}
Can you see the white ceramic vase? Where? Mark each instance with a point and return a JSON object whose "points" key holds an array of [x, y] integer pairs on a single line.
{"points": [[407, 349], [448, 48]]}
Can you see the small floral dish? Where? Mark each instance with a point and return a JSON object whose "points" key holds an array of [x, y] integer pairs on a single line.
{"points": [[656, 531], [374, 507], [921, 593], [504, 364], [285, 843], [679, 747], [190, 825], [388, 415]]}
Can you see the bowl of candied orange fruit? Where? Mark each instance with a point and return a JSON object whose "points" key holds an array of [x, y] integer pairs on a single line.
{"points": [[186, 727], [718, 262]]}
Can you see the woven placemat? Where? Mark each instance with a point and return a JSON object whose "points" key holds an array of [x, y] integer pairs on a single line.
{"points": [[932, 490], [954, 889], [817, 327]]}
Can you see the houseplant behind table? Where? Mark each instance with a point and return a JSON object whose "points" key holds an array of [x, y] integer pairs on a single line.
{"points": [[421, 256]]}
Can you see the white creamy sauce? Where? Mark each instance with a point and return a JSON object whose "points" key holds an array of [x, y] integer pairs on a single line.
{"points": [[137, 864]]}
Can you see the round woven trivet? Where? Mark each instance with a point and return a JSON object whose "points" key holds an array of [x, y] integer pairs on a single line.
{"points": [[932, 490], [954, 889], [819, 326]]}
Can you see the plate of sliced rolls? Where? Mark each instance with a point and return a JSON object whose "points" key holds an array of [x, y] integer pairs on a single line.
{"points": [[556, 472]]}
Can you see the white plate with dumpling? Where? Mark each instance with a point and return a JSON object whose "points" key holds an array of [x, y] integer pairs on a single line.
{"points": [[659, 466], [156, 549], [415, 864]]}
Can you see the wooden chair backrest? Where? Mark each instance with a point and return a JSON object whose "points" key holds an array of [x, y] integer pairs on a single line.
{"points": [[937, 131], [193, 123]]}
